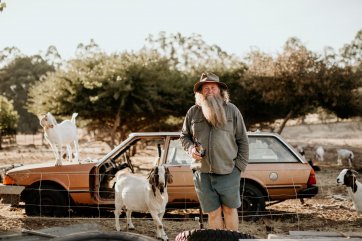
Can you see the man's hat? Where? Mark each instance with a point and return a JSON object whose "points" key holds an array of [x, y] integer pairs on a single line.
{"points": [[208, 77]]}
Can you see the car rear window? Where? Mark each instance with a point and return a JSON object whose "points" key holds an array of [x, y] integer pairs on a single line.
{"points": [[268, 149]]}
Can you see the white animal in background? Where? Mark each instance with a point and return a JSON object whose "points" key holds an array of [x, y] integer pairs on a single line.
{"points": [[61, 135], [344, 154], [136, 193], [319, 153], [348, 178], [300, 149]]}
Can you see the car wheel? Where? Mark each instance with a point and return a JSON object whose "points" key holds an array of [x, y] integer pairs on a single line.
{"points": [[252, 202], [47, 201], [211, 235]]}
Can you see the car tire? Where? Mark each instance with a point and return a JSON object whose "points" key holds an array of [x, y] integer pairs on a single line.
{"points": [[122, 236], [211, 235], [46, 201], [252, 202]]}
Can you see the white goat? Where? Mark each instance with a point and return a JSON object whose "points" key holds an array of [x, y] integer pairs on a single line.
{"points": [[344, 154], [348, 178], [59, 135], [319, 153], [301, 151], [136, 193]]}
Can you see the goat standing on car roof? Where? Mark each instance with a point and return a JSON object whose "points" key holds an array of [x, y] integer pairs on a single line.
{"points": [[348, 178], [59, 135], [136, 193]]}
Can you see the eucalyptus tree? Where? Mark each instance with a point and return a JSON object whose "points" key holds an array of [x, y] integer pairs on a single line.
{"points": [[352, 52], [192, 54]]}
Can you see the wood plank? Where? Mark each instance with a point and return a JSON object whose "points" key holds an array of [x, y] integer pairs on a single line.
{"points": [[316, 233]]}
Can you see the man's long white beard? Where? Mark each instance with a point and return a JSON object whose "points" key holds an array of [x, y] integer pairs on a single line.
{"points": [[213, 109]]}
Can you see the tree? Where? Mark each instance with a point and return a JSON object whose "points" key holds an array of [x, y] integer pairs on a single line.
{"points": [[352, 53], [2, 6], [8, 118], [15, 79], [295, 83], [115, 93], [191, 54]]}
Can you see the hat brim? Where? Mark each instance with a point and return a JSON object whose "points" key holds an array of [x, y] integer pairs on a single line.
{"points": [[198, 85]]}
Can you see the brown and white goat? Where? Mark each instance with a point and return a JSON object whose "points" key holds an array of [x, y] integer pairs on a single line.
{"points": [[141, 194], [348, 178]]}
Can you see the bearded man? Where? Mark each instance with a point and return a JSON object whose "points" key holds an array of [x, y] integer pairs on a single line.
{"points": [[216, 126]]}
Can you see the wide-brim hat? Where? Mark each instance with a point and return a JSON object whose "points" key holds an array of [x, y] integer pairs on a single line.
{"points": [[208, 77]]}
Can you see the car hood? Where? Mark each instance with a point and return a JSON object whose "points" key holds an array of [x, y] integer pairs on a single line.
{"points": [[50, 167]]}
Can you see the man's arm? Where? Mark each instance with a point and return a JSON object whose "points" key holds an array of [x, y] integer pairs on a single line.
{"points": [[241, 136]]}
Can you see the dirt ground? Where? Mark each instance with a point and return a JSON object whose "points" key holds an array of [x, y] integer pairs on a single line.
{"points": [[330, 210]]}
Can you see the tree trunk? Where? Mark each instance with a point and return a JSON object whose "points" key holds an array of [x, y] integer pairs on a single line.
{"points": [[116, 124], [285, 121]]}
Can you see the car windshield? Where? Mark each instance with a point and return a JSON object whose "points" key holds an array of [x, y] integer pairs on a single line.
{"points": [[262, 149]]}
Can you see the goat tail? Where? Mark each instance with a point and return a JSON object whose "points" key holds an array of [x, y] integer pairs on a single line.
{"points": [[73, 117]]}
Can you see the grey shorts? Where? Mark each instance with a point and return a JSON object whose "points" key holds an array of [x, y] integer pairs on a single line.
{"points": [[214, 190]]}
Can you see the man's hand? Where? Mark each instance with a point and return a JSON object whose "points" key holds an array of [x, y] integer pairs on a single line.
{"points": [[195, 154]]}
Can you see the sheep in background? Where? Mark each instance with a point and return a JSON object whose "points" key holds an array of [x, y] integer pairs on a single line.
{"points": [[319, 153], [136, 193], [348, 178], [59, 135], [344, 154]]}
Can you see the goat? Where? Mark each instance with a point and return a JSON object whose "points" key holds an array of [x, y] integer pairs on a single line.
{"points": [[136, 193], [59, 135], [348, 178], [344, 154], [301, 151], [319, 153]]}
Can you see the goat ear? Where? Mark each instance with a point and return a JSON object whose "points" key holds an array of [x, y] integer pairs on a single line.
{"points": [[354, 172], [150, 174], [169, 176]]}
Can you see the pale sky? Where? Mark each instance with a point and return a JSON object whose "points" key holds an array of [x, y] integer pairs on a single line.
{"points": [[234, 25]]}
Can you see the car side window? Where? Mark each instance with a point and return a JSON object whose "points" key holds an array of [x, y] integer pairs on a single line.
{"points": [[177, 155], [267, 149]]}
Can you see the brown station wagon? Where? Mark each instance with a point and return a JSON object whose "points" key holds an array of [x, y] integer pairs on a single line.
{"points": [[275, 172]]}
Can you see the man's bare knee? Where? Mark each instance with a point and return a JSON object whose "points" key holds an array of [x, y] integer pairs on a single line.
{"points": [[215, 213], [228, 210]]}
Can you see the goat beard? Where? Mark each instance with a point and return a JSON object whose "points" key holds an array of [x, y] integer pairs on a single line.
{"points": [[212, 107]]}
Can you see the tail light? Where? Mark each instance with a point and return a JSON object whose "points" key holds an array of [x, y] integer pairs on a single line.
{"points": [[312, 180], [8, 180]]}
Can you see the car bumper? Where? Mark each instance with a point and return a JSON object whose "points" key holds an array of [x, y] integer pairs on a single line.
{"points": [[10, 194], [308, 192]]}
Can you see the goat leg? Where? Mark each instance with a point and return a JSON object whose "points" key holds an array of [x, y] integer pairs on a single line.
{"points": [[129, 220], [160, 232], [117, 212], [58, 161]]}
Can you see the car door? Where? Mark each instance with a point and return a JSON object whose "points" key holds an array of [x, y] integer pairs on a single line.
{"points": [[181, 191], [273, 164]]}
